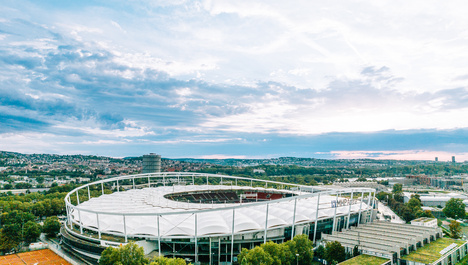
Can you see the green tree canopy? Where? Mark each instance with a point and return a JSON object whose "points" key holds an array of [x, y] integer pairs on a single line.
{"points": [[455, 208], [334, 252], [304, 247], [32, 231], [51, 226], [128, 254], [10, 237], [255, 256], [280, 254], [168, 261], [455, 229], [320, 252], [397, 188]]}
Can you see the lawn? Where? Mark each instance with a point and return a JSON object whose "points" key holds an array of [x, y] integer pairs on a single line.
{"points": [[364, 259], [430, 253]]}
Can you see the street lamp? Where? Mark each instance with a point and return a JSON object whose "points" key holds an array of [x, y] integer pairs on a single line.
{"points": [[297, 258]]}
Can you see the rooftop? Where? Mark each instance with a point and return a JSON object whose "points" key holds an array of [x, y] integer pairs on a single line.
{"points": [[424, 219], [431, 252], [364, 259]]}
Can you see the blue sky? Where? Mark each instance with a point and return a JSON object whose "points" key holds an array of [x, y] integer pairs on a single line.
{"points": [[345, 79]]}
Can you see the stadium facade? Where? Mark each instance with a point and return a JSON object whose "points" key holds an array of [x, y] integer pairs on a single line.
{"points": [[205, 218]]}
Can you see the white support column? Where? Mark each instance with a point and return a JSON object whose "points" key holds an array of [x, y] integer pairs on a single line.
{"points": [[196, 238], [98, 226], [210, 251], [102, 187], [149, 182], [294, 219], [251, 183], [133, 183], [118, 187], [77, 198], [334, 215], [266, 223], [159, 238], [207, 183], [316, 216], [349, 210], [125, 228], [373, 205], [232, 236], [89, 194], [360, 208], [193, 180], [178, 179], [69, 216], [164, 180], [81, 223], [368, 202], [219, 249]]}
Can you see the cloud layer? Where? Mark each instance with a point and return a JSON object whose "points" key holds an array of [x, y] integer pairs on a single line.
{"points": [[236, 78]]}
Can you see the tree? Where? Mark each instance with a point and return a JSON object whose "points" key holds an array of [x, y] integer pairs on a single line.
{"points": [[40, 179], [17, 217], [335, 252], [32, 231], [356, 251], [279, 252], [109, 256], [320, 252], [455, 208], [10, 237], [455, 229], [51, 226], [168, 261], [132, 254], [23, 185], [129, 254], [304, 247], [255, 256], [414, 204], [397, 188], [383, 196]]}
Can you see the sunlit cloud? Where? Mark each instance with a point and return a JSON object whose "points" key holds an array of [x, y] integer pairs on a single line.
{"points": [[240, 78]]}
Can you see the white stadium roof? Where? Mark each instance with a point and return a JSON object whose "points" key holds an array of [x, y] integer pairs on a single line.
{"points": [[140, 209]]}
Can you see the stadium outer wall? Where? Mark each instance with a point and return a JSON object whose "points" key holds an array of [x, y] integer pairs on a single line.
{"points": [[158, 212]]}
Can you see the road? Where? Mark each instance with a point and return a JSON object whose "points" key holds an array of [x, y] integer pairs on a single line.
{"points": [[387, 211]]}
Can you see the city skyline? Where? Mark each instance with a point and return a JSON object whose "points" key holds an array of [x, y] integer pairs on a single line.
{"points": [[244, 79]]}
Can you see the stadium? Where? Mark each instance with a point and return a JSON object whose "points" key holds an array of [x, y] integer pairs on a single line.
{"points": [[204, 218]]}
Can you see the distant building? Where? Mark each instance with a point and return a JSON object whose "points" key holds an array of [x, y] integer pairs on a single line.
{"points": [[151, 163], [453, 159], [425, 221], [436, 159]]}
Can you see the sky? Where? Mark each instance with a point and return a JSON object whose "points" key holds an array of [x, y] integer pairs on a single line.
{"points": [[235, 79]]}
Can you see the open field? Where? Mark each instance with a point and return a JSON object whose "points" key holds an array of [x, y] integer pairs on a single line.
{"points": [[39, 257]]}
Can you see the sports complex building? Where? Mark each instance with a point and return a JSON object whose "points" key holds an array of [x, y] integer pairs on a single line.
{"points": [[205, 218]]}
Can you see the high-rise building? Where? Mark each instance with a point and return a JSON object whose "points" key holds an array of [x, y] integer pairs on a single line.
{"points": [[453, 159], [151, 163], [436, 159]]}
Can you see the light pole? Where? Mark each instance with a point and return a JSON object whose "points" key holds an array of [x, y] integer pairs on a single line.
{"points": [[297, 258]]}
